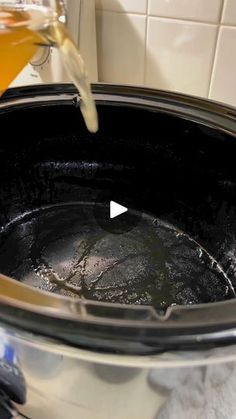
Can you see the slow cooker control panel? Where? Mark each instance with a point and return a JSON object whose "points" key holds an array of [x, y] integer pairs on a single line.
{"points": [[45, 67]]}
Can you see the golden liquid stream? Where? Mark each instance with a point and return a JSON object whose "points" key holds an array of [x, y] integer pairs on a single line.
{"points": [[20, 38]]}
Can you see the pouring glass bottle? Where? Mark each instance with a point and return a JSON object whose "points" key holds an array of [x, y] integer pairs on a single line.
{"points": [[27, 25]]}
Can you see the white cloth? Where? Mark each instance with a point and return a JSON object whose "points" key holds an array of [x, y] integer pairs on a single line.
{"points": [[197, 393]]}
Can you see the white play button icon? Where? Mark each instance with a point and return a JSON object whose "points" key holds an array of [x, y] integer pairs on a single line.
{"points": [[116, 209], [115, 218]]}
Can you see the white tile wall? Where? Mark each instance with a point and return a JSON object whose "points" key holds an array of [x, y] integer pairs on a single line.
{"points": [[177, 58], [229, 13], [179, 45], [223, 86], [198, 10], [130, 6], [121, 47]]}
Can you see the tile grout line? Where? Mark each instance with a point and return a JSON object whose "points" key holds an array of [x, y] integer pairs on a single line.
{"points": [[215, 49], [184, 20], [145, 47], [171, 18], [225, 25], [188, 20], [122, 12]]}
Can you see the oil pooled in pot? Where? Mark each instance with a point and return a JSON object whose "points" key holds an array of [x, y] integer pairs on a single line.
{"points": [[62, 249]]}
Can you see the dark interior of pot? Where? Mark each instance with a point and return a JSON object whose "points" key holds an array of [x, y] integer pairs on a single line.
{"points": [[176, 243]]}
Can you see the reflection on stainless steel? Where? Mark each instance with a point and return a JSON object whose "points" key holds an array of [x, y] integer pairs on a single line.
{"points": [[61, 379], [58, 385]]}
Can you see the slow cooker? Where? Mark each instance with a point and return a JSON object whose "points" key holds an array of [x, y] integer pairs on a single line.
{"points": [[91, 308]]}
